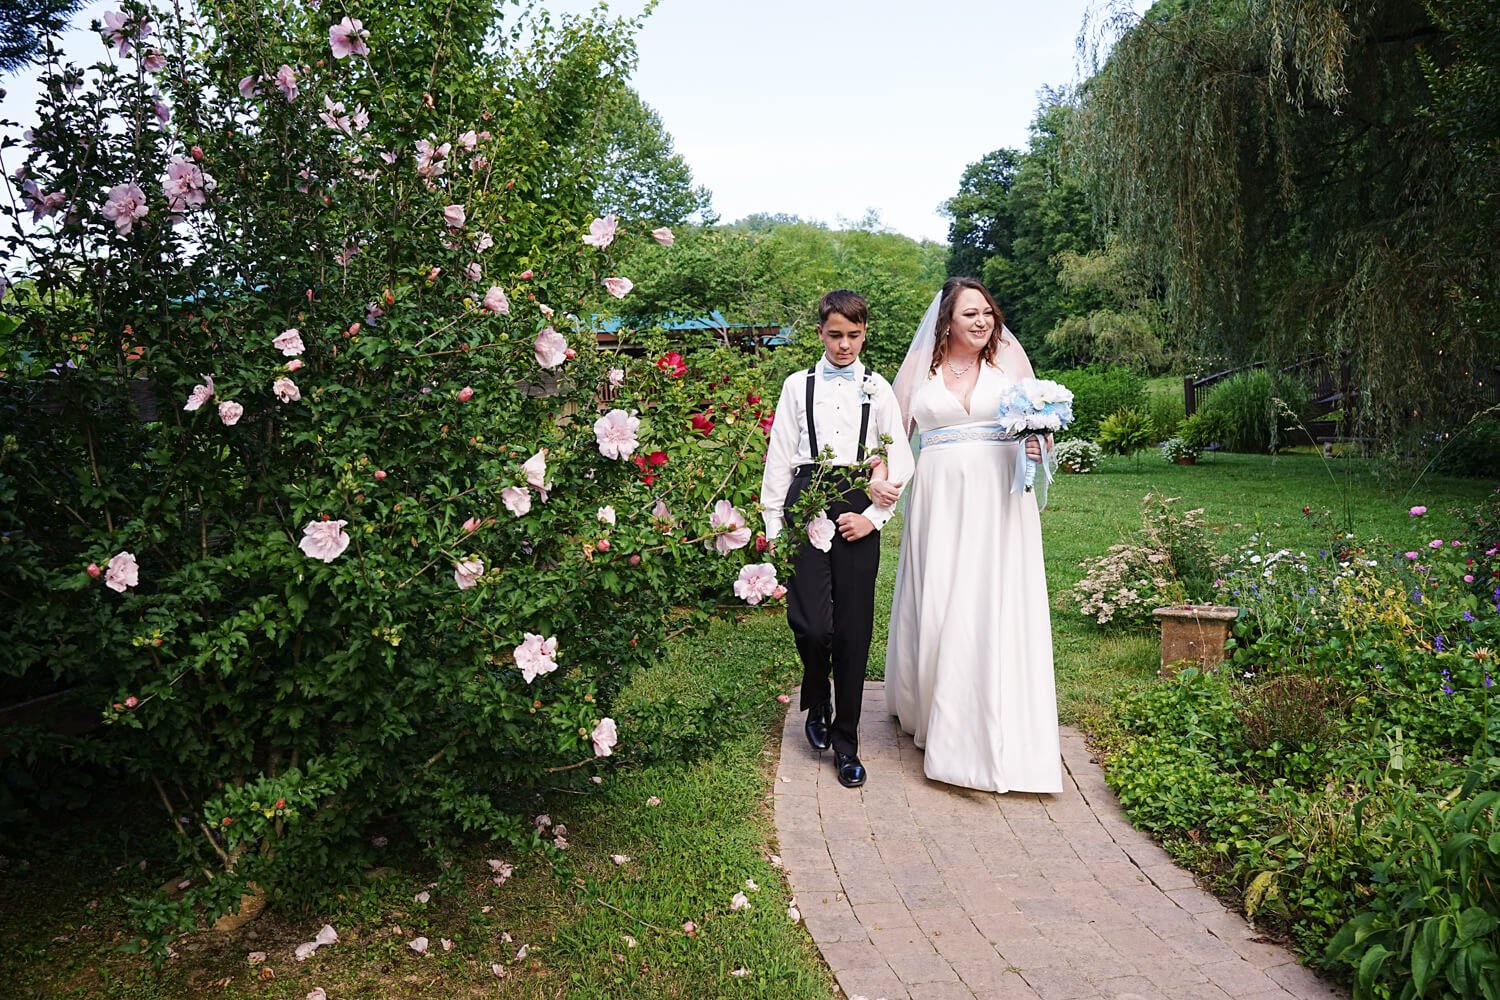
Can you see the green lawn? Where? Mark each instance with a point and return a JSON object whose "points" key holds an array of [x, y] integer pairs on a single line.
{"points": [[688, 855]]}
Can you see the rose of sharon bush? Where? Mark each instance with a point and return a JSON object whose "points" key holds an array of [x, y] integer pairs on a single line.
{"points": [[295, 601]]}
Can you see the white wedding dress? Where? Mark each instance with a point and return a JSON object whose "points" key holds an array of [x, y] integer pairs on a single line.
{"points": [[968, 667]]}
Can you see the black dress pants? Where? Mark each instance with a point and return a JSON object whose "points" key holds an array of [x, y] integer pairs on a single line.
{"points": [[831, 611]]}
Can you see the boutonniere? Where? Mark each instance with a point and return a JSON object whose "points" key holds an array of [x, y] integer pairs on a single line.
{"points": [[866, 393]]}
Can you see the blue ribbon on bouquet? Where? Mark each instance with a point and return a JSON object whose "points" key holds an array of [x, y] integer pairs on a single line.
{"points": [[1026, 468]]}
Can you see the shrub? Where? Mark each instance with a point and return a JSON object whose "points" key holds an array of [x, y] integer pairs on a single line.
{"points": [[1098, 391], [1469, 451], [1125, 432], [1258, 417], [1125, 585], [1167, 411], [1203, 429], [1175, 449], [394, 558], [1078, 455], [1171, 562], [1433, 926], [1287, 721]]}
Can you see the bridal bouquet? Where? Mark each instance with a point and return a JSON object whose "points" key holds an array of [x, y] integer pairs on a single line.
{"points": [[1032, 406]]}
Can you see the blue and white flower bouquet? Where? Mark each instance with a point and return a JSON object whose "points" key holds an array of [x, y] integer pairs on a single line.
{"points": [[1031, 407]]}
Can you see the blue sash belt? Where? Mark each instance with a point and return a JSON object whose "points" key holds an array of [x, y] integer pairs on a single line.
{"points": [[966, 433]]}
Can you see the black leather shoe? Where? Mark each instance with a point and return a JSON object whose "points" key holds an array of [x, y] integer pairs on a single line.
{"points": [[851, 771], [819, 728]]}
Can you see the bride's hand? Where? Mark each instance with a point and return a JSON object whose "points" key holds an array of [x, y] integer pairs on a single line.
{"points": [[1034, 448], [885, 494]]}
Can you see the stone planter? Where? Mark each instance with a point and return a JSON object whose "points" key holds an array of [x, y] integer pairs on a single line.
{"points": [[1186, 460], [1195, 633]]}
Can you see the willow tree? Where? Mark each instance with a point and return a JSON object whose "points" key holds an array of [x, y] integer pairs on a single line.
{"points": [[1279, 165]]}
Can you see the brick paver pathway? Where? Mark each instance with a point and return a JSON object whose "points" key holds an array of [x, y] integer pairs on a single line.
{"points": [[916, 889]]}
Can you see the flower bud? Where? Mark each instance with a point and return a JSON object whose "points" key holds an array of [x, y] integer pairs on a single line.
{"points": [[526, 274], [635, 560], [93, 570], [602, 545], [379, 473], [465, 394], [131, 702], [197, 152]]}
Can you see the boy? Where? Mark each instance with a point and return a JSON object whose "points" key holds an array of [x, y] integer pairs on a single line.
{"points": [[836, 405]]}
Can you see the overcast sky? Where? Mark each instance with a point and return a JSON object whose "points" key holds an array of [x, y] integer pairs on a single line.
{"points": [[828, 108], [825, 108]]}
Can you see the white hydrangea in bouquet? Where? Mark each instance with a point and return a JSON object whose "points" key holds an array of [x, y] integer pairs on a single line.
{"points": [[1029, 408]]}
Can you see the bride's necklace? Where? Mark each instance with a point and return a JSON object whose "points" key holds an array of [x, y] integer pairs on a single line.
{"points": [[961, 372]]}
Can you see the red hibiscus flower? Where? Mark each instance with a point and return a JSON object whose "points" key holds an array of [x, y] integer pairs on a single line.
{"points": [[702, 424], [672, 364]]}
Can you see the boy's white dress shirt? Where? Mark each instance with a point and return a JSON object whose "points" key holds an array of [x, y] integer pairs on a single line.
{"points": [[836, 409]]}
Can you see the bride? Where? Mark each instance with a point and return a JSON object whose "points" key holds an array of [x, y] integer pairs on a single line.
{"points": [[968, 667]]}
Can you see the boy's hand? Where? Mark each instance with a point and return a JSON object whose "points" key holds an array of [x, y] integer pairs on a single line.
{"points": [[884, 493], [853, 527]]}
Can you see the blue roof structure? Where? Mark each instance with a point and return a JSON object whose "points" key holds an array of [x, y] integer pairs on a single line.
{"points": [[714, 321]]}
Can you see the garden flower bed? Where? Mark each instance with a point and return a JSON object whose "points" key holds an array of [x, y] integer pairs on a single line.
{"points": [[1341, 779]]}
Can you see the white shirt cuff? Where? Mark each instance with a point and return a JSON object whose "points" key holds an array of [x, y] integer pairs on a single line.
{"points": [[879, 515]]}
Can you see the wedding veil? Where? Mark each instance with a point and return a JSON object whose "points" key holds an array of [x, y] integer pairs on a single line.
{"points": [[1010, 358]]}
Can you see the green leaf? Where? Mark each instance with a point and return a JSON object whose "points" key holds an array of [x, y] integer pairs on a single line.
{"points": [[1475, 923], [1369, 966]]}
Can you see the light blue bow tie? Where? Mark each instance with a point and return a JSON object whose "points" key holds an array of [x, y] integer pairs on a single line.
{"points": [[830, 373]]}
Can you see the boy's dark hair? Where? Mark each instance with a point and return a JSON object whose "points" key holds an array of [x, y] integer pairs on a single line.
{"points": [[850, 305]]}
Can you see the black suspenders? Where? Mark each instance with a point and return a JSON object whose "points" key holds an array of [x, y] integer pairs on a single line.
{"points": [[864, 416]]}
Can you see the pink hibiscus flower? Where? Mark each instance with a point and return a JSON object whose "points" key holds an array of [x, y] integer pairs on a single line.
{"points": [[731, 531], [618, 287], [535, 468], [325, 540], [551, 348], [286, 82], [286, 390], [496, 302], [127, 202], [185, 185], [605, 737], [602, 232], [536, 656], [123, 30], [615, 434], [201, 393], [347, 38], [122, 572], [756, 582], [230, 412], [517, 500], [820, 532], [289, 342], [467, 573], [663, 236]]}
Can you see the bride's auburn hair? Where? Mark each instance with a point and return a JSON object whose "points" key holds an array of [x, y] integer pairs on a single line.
{"points": [[951, 289]]}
